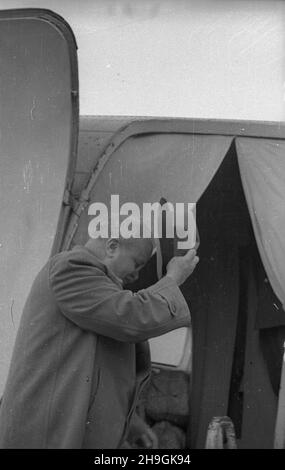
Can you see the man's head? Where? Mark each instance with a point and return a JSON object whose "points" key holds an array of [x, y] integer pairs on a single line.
{"points": [[124, 257]]}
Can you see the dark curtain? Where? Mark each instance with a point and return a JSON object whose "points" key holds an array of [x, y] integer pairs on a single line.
{"points": [[229, 296]]}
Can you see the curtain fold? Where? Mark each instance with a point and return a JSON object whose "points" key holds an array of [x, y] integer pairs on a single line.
{"points": [[262, 168], [177, 167]]}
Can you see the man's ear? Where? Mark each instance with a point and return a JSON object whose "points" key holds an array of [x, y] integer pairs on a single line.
{"points": [[112, 246]]}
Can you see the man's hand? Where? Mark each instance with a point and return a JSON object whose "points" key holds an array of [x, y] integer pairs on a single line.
{"points": [[141, 434], [180, 267]]}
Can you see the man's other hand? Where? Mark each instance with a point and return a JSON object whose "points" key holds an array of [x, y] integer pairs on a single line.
{"points": [[141, 434], [180, 267]]}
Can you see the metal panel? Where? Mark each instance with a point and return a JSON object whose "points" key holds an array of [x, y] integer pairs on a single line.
{"points": [[39, 122]]}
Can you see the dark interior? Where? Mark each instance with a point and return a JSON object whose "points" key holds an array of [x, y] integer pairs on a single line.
{"points": [[237, 319]]}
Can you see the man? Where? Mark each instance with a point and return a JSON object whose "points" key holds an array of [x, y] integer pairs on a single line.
{"points": [[81, 358]]}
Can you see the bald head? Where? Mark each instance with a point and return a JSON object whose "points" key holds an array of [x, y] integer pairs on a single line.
{"points": [[119, 244], [124, 257]]}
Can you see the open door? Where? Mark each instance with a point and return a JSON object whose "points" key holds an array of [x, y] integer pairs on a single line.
{"points": [[38, 138]]}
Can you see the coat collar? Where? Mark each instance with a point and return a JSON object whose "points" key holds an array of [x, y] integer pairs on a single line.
{"points": [[100, 265]]}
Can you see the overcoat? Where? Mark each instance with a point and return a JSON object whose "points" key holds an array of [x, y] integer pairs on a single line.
{"points": [[81, 357]]}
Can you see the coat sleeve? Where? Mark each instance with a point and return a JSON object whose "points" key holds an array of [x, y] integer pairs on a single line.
{"points": [[91, 300]]}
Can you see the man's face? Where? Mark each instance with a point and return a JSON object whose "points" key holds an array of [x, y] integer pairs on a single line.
{"points": [[129, 258]]}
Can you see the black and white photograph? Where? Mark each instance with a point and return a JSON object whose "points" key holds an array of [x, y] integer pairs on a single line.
{"points": [[142, 240]]}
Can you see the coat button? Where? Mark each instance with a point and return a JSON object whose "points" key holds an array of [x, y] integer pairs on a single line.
{"points": [[173, 307]]}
